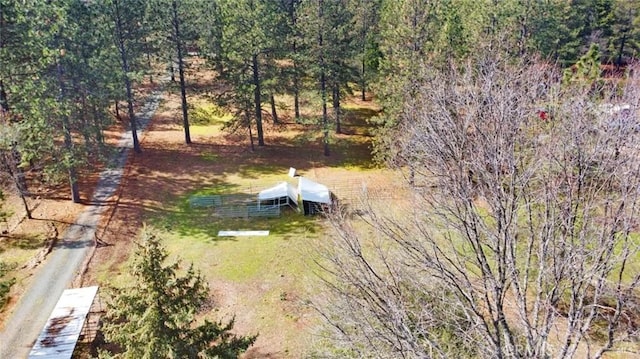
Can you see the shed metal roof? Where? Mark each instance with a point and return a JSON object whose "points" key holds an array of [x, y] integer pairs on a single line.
{"points": [[60, 335]]}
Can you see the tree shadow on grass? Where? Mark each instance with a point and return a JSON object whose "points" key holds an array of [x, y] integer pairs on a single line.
{"points": [[20, 241], [358, 115], [352, 152]]}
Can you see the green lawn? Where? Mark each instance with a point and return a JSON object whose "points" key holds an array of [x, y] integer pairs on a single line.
{"points": [[265, 281]]}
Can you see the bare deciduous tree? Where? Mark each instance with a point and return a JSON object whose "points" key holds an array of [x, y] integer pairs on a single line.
{"points": [[522, 241]]}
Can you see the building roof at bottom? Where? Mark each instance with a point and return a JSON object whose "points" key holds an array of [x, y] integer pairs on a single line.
{"points": [[61, 332]]}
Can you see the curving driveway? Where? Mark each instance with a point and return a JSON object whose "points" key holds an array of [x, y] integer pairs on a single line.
{"points": [[64, 262]]}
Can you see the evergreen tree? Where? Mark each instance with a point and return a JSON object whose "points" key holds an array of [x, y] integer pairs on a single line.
{"points": [[329, 48], [366, 14], [23, 57], [295, 53], [69, 90], [407, 29], [155, 316], [549, 31], [126, 20], [626, 31], [339, 52], [176, 28], [250, 35], [588, 22], [91, 66], [314, 31], [210, 29]]}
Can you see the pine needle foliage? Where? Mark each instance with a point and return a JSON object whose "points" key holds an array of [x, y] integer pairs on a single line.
{"points": [[155, 316]]}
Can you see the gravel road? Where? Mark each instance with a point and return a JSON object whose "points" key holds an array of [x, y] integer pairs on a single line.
{"points": [[63, 264]]}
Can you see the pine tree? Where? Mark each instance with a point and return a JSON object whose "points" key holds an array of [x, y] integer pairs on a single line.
{"points": [[125, 18], [250, 34], [340, 48], [625, 42], [154, 317], [23, 58], [175, 26], [5, 284], [329, 52], [69, 89], [210, 29], [366, 20], [295, 53]]}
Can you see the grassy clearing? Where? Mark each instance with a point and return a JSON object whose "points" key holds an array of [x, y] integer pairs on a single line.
{"points": [[261, 281], [243, 259], [193, 233], [265, 279]]}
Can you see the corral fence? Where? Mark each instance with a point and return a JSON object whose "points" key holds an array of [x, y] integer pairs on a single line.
{"points": [[237, 205], [356, 194]]}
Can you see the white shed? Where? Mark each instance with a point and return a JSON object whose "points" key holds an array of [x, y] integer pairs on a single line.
{"points": [[281, 194], [313, 195]]}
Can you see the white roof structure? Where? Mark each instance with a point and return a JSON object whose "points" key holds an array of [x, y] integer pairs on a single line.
{"points": [[282, 189], [60, 335], [313, 191]]}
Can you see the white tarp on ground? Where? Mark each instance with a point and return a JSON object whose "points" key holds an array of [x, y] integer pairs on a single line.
{"points": [[60, 335], [242, 233], [313, 191], [282, 189]]}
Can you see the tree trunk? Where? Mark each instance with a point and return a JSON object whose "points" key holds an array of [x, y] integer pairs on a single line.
{"points": [[247, 117], [132, 116], [117, 103], [296, 87], [11, 162], [4, 103], [12, 158], [183, 87], [68, 143], [323, 88], [148, 55], [364, 81], [364, 58], [87, 125], [296, 97], [73, 181], [258, 100], [336, 106], [325, 117], [619, 62], [274, 113], [127, 80], [97, 126], [296, 75]]}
